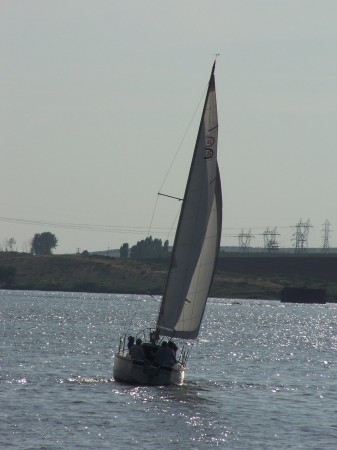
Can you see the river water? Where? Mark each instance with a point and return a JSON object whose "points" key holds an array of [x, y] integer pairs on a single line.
{"points": [[261, 375]]}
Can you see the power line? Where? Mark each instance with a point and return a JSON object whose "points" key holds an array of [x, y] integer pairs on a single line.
{"points": [[81, 226], [300, 236]]}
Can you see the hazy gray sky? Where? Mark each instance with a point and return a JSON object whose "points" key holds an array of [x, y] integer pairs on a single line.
{"points": [[96, 97]]}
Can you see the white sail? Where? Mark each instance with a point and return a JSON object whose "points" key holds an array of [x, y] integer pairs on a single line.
{"points": [[198, 234]]}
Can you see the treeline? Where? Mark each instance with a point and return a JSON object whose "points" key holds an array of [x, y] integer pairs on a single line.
{"points": [[40, 244], [148, 248]]}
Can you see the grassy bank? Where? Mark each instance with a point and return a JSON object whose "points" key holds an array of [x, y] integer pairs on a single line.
{"points": [[237, 275]]}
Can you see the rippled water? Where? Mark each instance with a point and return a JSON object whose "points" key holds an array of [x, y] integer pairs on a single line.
{"points": [[262, 375]]}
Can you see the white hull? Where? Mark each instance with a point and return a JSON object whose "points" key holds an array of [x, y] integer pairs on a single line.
{"points": [[133, 371]]}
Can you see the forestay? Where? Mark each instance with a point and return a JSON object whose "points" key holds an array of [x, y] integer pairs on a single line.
{"points": [[198, 234]]}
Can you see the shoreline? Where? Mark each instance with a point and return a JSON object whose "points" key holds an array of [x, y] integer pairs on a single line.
{"points": [[238, 276]]}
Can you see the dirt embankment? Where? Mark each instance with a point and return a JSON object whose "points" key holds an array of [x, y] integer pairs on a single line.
{"points": [[264, 276], [237, 275]]}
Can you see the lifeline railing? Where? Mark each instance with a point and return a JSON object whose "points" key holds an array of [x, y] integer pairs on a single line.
{"points": [[145, 333]]}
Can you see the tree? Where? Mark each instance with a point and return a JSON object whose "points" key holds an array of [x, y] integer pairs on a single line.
{"points": [[9, 244], [42, 244], [149, 249], [165, 250], [124, 250]]}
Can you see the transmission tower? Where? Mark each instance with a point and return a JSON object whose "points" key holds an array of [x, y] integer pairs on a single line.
{"points": [[270, 240], [301, 236], [326, 235], [244, 240]]}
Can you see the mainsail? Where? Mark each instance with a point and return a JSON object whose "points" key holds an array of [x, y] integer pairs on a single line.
{"points": [[197, 239]]}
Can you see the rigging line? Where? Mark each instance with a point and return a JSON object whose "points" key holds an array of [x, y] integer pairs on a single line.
{"points": [[174, 158], [183, 138], [153, 213], [172, 225], [174, 221]]}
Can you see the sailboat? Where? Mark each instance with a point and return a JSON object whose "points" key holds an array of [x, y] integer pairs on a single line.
{"points": [[192, 266]]}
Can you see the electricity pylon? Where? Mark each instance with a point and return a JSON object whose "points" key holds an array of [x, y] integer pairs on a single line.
{"points": [[270, 240], [301, 236], [326, 235], [244, 240]]}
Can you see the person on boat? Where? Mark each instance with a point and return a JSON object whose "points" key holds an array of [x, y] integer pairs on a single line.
{"points": [[131, 342], [137, 351], [154, 336], [164, 355], [173, 347]]}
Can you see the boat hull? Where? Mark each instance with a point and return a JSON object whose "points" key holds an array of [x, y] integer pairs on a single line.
{"points": [[133, 371]]}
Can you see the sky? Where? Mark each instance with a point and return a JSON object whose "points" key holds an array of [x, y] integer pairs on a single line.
{"points": [[101, 102]]}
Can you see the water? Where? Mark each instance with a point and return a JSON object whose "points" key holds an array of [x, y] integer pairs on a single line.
{"points": [[262, 375]]}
